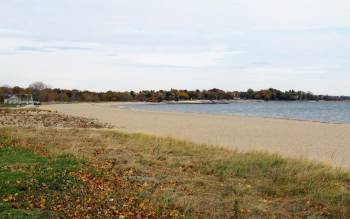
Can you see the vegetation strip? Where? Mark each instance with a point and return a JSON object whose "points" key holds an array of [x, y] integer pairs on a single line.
{"points": [[41, 92]]}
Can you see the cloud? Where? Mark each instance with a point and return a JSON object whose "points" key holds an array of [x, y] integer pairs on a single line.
{"points": [[30, 49], [119, 45], [49, 48], [181, 60], [15, 45]]}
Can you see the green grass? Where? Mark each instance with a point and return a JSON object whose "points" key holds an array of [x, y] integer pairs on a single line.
{"points": [[24, 174], [6, 212], [7, 105], [16, 156]]}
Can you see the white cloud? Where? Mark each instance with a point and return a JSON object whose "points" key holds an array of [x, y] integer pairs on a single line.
{"points": [[202, 59]]}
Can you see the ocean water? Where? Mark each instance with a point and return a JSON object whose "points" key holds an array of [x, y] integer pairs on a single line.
{"points": [[332, 112]]}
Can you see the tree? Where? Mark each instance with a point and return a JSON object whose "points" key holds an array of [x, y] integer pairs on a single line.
{"points": [[264, 95], [168, 96], [18, 90], [132, 94], [183, 95], [4, 90], [38, 85], [250, 94]]}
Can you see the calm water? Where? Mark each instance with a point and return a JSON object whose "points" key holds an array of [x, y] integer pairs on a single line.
{"points": [[337, 112]]}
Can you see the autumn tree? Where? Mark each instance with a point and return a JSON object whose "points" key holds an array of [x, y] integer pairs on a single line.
{"points": [[36, 87], [183, 95]]}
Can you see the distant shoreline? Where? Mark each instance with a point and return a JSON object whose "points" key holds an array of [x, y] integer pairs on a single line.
{"points": [[195, 101], [43, 93], [239, 101]]}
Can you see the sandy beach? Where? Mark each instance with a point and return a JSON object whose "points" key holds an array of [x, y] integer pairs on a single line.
{"points": [[329, 143]]}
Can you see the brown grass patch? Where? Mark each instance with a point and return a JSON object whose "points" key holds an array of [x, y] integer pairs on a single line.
{"points": [[202, 181]]}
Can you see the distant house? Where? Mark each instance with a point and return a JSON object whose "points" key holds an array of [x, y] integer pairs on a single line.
{"points": [[23, 99]]}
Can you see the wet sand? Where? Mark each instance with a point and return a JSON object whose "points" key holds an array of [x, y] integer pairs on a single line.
{"points": [[329, 143]]}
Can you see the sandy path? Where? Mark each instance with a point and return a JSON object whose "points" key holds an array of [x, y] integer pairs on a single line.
{"points": [[329, 143]]}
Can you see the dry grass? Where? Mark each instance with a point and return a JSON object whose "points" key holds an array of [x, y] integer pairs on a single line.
{"points": [[168, 178], [31, 117], [202, 181]]}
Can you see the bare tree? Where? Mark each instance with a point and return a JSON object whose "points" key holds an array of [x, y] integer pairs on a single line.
{"points": [[38, 85]]}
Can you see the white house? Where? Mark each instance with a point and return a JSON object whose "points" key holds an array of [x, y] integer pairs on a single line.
{"points": [[19, 99]]}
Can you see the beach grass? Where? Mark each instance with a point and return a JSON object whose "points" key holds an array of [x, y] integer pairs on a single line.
{"points": [[164, 177]]}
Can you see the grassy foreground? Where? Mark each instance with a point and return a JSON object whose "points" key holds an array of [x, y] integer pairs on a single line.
{"points": [[60, 173], [56, 166]]}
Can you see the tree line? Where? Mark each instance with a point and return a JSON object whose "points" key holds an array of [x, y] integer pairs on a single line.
{"points": [[44, 93]]}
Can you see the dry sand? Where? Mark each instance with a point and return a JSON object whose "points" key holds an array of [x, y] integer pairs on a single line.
{"points": [[329, 143]]}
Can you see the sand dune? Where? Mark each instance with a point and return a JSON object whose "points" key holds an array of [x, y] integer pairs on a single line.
{"points": [[324, 142]]}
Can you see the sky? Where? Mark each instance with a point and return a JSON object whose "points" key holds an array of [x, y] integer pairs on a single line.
{"points": [[120, 45]]}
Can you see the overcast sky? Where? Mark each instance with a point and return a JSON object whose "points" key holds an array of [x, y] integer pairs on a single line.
{"points": [[186, 44]]}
